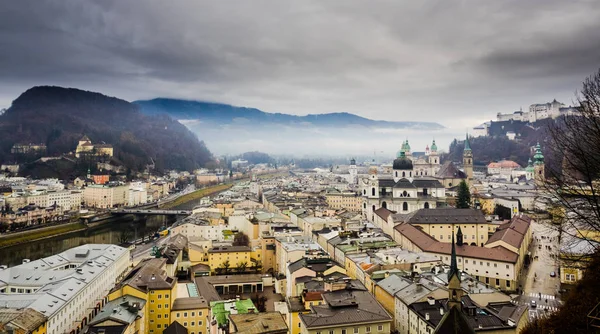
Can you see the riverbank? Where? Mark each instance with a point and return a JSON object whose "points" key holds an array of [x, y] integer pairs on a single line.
{"points": [[39, 234], [196, 195]]}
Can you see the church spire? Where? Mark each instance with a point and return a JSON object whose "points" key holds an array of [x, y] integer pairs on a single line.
{"points": [[453, 265], [467, 144], [459, 237]]}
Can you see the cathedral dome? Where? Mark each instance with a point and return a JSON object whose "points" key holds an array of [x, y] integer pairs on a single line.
{"points": [[403, 163], [373, 170]]}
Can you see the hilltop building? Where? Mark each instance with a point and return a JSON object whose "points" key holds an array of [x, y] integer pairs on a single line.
{"points": [[85, 147], [539, 111]]}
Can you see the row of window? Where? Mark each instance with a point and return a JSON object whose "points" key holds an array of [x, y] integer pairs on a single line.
{"points": [[355, 330]]}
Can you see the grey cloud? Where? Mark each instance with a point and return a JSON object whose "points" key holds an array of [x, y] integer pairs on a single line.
{"points": [[456, 62]]}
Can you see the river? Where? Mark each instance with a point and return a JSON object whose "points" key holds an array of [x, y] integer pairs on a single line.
{"points": [[109, 233]]}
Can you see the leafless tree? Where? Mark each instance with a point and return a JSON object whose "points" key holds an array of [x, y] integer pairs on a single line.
{"points": [[573, 184]]}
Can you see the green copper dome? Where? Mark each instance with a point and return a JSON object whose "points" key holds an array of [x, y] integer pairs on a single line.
{"points": [[538, 157], [407, 148], [433, 146]]}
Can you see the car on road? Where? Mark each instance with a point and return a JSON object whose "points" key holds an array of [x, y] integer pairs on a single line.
{"points": [[552, 274], [533, 304]]}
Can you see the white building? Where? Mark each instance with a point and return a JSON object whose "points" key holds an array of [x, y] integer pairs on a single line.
{"points": [[69, 288]]}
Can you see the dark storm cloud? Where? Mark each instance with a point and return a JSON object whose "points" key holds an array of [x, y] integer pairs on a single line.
{"points": [[458, 62]]}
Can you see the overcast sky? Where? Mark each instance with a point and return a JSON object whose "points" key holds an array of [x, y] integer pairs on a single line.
{"points": [[455, 62]]}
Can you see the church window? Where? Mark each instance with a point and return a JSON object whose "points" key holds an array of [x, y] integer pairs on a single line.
{"points": [[404, 206], [396, 174], [404, 193], [384, 205], [372, 191], [426, 206], [365, 205], [403, 174], [410, 174], [364, 191]]}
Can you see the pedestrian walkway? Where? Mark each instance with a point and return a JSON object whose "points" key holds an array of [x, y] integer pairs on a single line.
{"points": [[537, 295], [539, 307]]}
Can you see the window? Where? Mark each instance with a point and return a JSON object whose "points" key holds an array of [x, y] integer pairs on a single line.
{"points": [[185, 314], [159, 306], [193, 323], [495, 265], [185, 324], [159, 296], [158, 325], [177, 315], [466, 261], [193, 314], [330, 332], [380, 328], [507, 283], [167, 295], [507, 266], [497, 281], [166, 305], [159, 316], [488, 264], [355, 330], [299, 324]]}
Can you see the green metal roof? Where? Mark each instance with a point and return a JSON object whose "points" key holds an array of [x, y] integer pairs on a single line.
{"points": [[221, 309]]}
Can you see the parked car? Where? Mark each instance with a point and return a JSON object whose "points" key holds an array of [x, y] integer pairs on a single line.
{"points": [[533, 304], [553, 274]]}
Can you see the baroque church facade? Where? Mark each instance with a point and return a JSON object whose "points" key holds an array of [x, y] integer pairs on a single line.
{"points": [[413, 183]]}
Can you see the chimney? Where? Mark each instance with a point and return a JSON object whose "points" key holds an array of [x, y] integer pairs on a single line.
{"points": [[419, 286], [430, 300], [441, 311], [427, 316]]}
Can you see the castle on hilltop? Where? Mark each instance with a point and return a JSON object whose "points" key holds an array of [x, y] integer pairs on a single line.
{"points": [[539, 111]]}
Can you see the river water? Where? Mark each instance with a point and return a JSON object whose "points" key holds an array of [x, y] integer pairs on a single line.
{"points": [[115, 232]]}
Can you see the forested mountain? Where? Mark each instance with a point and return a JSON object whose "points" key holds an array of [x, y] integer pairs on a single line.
{"points": [[59, 117]]}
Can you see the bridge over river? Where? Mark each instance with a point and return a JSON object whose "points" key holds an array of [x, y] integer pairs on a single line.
{"points": [[151, 212]]}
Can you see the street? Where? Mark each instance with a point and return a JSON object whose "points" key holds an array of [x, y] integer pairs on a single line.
{"points": [[143, 251], [537, 283]]}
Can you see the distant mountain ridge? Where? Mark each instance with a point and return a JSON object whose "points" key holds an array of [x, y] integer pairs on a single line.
{"points": [[226, 114], [58, 117]]}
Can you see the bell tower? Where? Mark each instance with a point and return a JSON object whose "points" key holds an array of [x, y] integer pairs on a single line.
{"points": [[468, 160], [538, 166]]}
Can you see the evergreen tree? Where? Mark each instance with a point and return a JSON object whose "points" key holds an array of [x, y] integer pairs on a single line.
{"points": [[463, 197]]}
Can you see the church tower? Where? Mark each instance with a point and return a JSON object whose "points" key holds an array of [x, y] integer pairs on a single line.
{"points": [[434, 159], [538, 166], [407, 150], [353, 171], [455, 292], [468, 160]]}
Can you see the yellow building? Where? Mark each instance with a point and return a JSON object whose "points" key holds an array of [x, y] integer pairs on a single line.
{"points": [[192, 313], [227, 258], [442, 223], [149, 281], [574, 256], [349, 200], [22, 321]]}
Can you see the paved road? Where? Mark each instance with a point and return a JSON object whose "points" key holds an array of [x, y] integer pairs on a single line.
{"points": [[143, 251], [537, 284]]}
